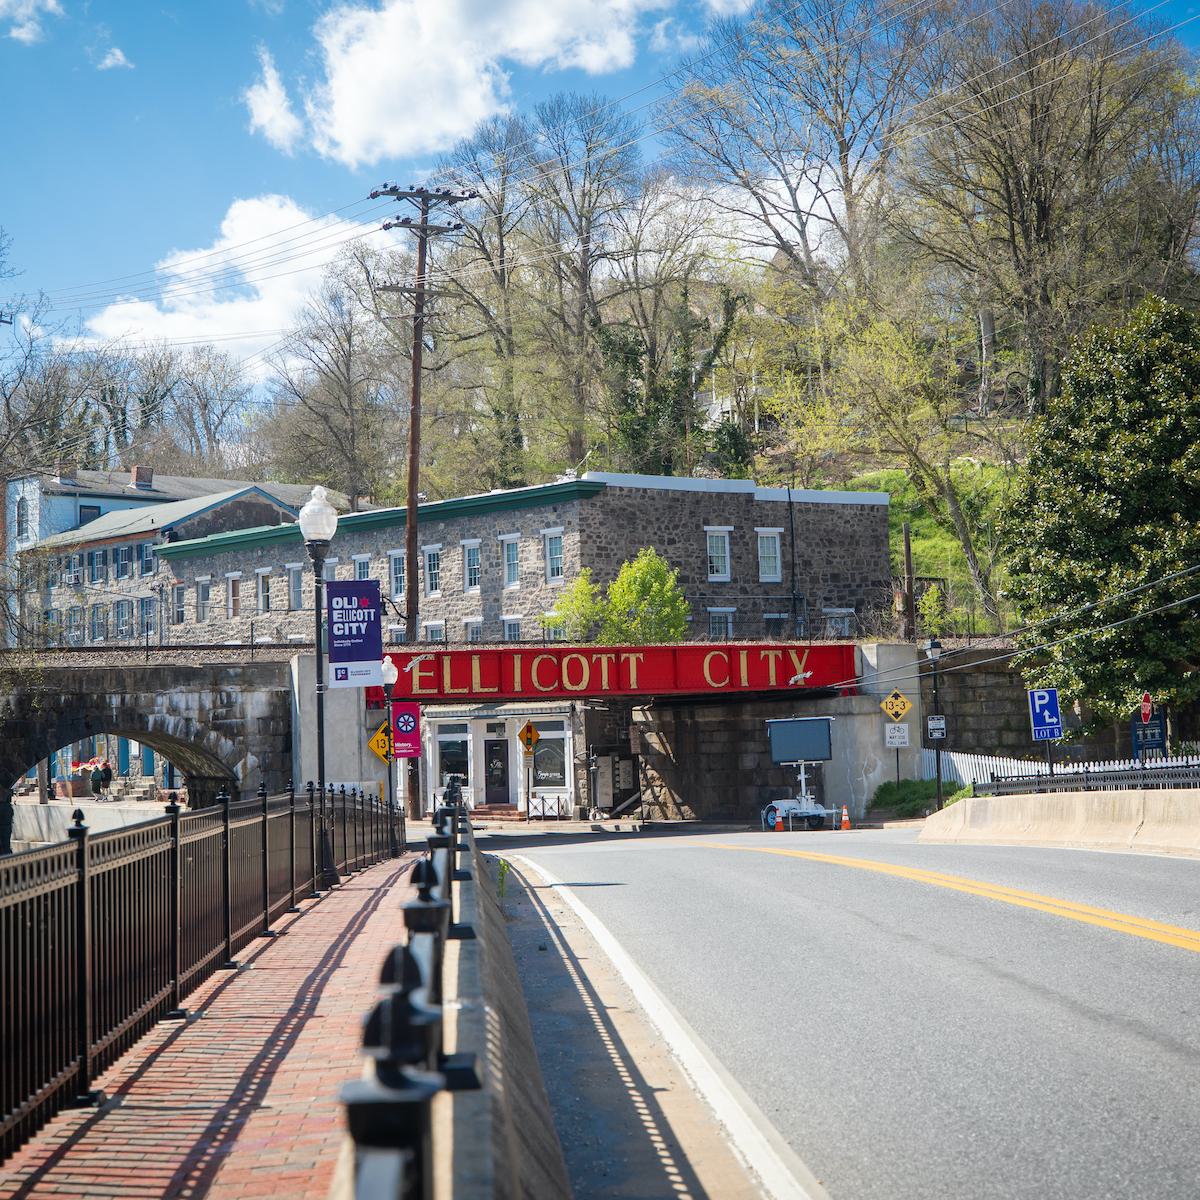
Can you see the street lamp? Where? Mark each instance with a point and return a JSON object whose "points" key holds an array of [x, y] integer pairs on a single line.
{"points": [[318, 523], [390, 675], [934, 649]]}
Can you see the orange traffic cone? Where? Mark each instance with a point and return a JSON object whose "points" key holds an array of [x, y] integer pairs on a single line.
{"points": [[778, 820], [845, 817]]}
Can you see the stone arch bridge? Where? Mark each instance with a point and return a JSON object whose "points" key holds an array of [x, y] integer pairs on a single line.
{"points": [[222, 723]]}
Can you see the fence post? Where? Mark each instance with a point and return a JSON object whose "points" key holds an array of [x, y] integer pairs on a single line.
{"points": [[291, 787], [227, 880], [177, 1012], [345, 843], [310, 788], [84, 1095], [266, 860]]}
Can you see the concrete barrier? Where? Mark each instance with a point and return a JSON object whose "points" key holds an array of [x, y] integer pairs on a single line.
{"points": [[42, 823], [1160, 821]]}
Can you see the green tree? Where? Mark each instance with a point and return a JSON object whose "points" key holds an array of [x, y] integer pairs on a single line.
{"points": [[931, 608], [580, 610], [1107, 503], [645, 603]]}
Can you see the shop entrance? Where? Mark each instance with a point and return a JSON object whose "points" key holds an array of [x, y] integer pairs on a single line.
{"points": [[495, 772]]}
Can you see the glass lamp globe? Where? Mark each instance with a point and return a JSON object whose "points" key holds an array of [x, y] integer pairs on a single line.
{"points": [[389, 672], [318, 518]]}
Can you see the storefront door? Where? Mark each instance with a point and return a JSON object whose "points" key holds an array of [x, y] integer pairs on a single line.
{"points": [[495, 772]]}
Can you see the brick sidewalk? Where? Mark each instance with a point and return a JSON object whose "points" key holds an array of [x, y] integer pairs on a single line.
{"points": [[241, 1099]]}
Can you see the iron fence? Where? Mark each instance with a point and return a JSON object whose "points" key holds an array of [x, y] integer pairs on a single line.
{"points": [[1093, 779], [101, 936], [389, 1112]]}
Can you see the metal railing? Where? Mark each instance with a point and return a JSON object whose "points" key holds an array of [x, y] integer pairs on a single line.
{"points": [[1095, 777], [389, 1113], [101, 936]]}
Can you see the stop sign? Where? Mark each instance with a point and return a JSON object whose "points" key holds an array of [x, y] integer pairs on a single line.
{"points": [[1147, 708]]}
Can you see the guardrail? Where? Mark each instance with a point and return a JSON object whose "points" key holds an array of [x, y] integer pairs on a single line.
{"points": [[1093, 779], [101, 936], [389, 1113]]}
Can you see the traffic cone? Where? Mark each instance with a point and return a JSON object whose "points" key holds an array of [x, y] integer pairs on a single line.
{"points": [[778, 820], [845, 817]]}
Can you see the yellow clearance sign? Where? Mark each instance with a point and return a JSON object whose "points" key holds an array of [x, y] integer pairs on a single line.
{"points": [[896, 705], [378, 742]]}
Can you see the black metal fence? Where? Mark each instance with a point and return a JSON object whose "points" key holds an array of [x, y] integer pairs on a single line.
{"points": [[389, 1113], [101, 936], [1086, 779]]}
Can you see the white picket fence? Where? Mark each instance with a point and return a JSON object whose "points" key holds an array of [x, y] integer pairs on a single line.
{"points": [[979, 768]]}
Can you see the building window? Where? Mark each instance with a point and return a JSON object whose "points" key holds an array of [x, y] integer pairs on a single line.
{"points": [[453, 757], [98, 626], [147, 616], [473, 630], [720, 623], [396, 573], [554, 555], [471, 568], [73, 571], [435, 631], [203, 599], [433, 570], [74, 625], [295, 575], [553, 633], [770, 565], [550, 755], [264, 591], [97, 561], [22, 519], [123, 620], [776, 625], [330, 569], [362, 567], [50, 626], [88, 512], [122, 561], [397, 633], [147, 562], [512, 561], [178, 603], [839, 622], [718, 554], [512, 628], [233, 596]]}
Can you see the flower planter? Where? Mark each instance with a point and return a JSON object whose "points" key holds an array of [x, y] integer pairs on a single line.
{"points": [[69, 789]]}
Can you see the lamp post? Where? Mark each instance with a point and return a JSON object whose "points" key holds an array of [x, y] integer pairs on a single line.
{"points": [[318, 523], [390, 675], [934, 649]]}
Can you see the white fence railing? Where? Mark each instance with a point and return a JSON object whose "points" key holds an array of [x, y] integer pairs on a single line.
{"points": [[979, 768]]}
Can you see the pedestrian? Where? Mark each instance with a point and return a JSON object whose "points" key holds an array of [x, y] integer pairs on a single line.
{"points": [[106, 775], [97, 778]]}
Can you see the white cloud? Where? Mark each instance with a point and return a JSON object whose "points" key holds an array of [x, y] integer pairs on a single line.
{"points": [[728, 8], [271, 109], [273, 276], [669, 37], [114, 58], [410, 77], [26, 17]]}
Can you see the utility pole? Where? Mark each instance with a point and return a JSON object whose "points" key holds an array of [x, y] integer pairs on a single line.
{"points": [[425, 200]]}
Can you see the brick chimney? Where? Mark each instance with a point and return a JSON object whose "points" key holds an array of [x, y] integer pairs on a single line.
{"points": [[142, 477]]}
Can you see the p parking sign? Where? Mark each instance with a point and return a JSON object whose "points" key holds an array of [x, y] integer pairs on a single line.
{"points": [[1045, 721]]}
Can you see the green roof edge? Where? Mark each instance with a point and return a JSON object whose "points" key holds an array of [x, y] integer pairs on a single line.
{"points": [[437, 510]]}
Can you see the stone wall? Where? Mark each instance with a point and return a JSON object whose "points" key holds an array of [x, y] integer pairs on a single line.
{"points": [[841, 558]]}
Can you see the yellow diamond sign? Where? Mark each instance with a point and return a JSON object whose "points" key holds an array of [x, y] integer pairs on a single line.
{"points": [[378, 741], [896, 705], [528, 737]]}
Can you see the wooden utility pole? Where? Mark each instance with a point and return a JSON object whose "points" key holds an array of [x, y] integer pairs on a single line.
{"points": [[910, 589], [425, 199]]}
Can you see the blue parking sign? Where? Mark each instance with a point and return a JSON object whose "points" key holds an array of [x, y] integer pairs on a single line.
{"points": [[1044, 717]]}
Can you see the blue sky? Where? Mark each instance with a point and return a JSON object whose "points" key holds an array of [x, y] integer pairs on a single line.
{"points": [[135, 132], [138, 136]]}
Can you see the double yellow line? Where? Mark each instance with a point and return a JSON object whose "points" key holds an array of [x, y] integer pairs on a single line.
{"points": [[1155, 931]]}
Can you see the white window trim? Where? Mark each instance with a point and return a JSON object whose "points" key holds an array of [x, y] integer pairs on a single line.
{"points": [[547, 534], [777, 616], [727, 530], [426, 551], [434, 546], [466, 544], [233, 574], [360, 558], [392, 555], [508, 537], [503, 539], [426, 626], [471, 542], [204, 579], [777, 534], [768, 529], [263, 570], [722, 608], [555, 532], [296, 566]]}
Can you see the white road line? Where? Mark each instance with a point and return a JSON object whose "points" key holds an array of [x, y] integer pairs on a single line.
{"points": [[781, 1172]]}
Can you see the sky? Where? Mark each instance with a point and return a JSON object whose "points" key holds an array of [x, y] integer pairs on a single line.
{"points": [[143, 141], [153, 149]]}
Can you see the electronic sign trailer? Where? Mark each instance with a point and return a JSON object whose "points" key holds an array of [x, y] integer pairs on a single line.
{"points": [[796, 742]]}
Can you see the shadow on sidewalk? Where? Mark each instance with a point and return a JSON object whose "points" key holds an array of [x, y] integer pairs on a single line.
{"points": [[194, 1163], [615, 1138]]}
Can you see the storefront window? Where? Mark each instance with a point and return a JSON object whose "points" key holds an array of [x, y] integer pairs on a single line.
{"points": [[452, 754], [550, 755]]}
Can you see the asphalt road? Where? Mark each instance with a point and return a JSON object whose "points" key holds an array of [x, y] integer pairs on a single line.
{"points": [[911, 1035]]}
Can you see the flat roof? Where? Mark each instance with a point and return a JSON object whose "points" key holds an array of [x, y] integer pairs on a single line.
{"points": [[681, 483]]}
